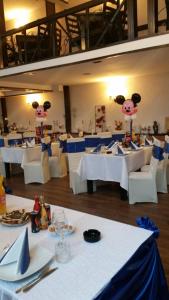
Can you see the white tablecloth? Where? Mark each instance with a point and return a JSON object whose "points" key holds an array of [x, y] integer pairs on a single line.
{"points": [[109, 167], [19, 155], [91, 265]]}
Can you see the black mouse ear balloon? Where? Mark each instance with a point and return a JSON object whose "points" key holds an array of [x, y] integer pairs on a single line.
{"points": [[119, 99], [136, 98], [46, 105], [35, 104]]}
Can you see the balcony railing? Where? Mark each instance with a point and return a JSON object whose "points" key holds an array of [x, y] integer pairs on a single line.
{"points": [[92, 25]]}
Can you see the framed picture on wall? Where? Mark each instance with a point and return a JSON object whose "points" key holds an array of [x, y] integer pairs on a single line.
{"points": [[100, 118]]}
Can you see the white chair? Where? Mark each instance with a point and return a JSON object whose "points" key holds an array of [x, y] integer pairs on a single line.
{"points": [[142, 185], [161, 176], [75, 148], [14, 139], [37, 170], [57, 162]]}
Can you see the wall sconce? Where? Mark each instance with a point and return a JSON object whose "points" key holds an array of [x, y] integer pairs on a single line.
{"points": [[116, 86], [19, 16], [33, 97]]}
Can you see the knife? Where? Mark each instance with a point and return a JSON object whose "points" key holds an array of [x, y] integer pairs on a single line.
{"points": [[34, 281]]}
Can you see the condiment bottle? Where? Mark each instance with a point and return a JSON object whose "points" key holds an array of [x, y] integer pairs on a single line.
{"points": [[37, 206], [2, 197], [43, 214]]}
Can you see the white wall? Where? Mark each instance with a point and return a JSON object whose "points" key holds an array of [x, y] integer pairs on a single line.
{"points": [[24, 115], [154, 91]]}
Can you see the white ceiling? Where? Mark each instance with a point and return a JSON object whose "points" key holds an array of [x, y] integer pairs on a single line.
{"points": [[139, 63]]}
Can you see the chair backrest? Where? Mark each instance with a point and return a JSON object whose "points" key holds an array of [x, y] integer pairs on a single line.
{"points": [[105, 138], [2, 143], [75, 145], [44, 158], [14, 139], [111, 5], [73, 27], [92, 141], [153, 166], [56, 150]]}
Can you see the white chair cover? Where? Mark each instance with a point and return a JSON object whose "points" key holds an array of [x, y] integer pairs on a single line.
{"points": [[76, 183], [37, 170], [161, 176], [57, 162], [142, 185]]}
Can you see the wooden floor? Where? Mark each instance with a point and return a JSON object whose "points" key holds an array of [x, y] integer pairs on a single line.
{"points": [[105, 203]]}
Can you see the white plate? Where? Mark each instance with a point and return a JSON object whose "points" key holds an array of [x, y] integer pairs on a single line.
{"points": [[39, 257], [14, 225]]}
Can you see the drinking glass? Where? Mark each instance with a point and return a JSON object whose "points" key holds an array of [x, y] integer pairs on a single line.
{"points": [[62, 251]]}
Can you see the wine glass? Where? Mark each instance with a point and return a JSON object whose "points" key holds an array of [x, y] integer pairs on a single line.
{"points": [[60, 222]]}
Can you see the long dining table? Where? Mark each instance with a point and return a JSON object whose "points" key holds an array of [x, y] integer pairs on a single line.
{"points": [[125, 263], [18, 155]]}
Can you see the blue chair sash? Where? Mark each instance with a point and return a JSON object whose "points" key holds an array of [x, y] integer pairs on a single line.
{"points": [[142, 277], [1, 142], [106, 140], [63, 145], [118, 137], [166, 148], [75, 147], [158, 152], [47, 147], [14, 142], [92, 142]]}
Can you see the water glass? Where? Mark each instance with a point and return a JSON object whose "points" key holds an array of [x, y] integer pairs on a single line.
{"points": [[62, 251]]}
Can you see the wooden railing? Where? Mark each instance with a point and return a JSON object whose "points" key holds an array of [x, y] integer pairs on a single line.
{"points": [[81, 28]]}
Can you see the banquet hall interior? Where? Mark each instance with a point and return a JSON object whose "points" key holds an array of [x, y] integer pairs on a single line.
{"points": [[79, 77]]}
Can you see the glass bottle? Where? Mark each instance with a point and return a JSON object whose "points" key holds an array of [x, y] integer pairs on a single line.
{"points": [[43, 214], [2, 197], [37, 206]]}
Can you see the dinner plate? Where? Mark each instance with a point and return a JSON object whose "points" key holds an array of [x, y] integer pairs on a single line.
{"points": [[15, 224], [39, 257]]}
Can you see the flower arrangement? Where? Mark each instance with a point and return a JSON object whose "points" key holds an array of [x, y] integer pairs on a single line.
{"points": [[118, 125]]}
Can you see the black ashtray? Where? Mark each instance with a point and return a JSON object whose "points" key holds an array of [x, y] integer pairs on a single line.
{"points": [[92, 235]]}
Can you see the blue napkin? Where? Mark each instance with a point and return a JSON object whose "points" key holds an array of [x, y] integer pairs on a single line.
{"points": [[147, 223], [111, 144], [97, 149], [18, 253]]}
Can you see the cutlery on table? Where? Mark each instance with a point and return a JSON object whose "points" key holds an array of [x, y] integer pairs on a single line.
{"points": [[36, 280]]}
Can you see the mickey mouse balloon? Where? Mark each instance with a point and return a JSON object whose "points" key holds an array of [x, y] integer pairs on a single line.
{"points": [[129, 106], [41, 110]]}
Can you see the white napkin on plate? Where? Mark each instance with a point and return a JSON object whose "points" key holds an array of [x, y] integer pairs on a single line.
{"points": [[120, 150], [134, 146], [148, 142], [31, 143], [18, 253]]}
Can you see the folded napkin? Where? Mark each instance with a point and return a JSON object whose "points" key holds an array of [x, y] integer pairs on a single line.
{"points": [[134, 146], [111, 144], [147, 223], [31, 143], [120, 150], [24, 145], [148, 142], [18, 253], [97, 149]]}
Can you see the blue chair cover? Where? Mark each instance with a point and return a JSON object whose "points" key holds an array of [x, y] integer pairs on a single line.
{"points": [[74, 147], [63, 145], [166, 148], [14, 142], [158, 152], [147, 223], [1, 142], [47, 147], [106, 140], [92, 142], [141, 278], [118, 137]]}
